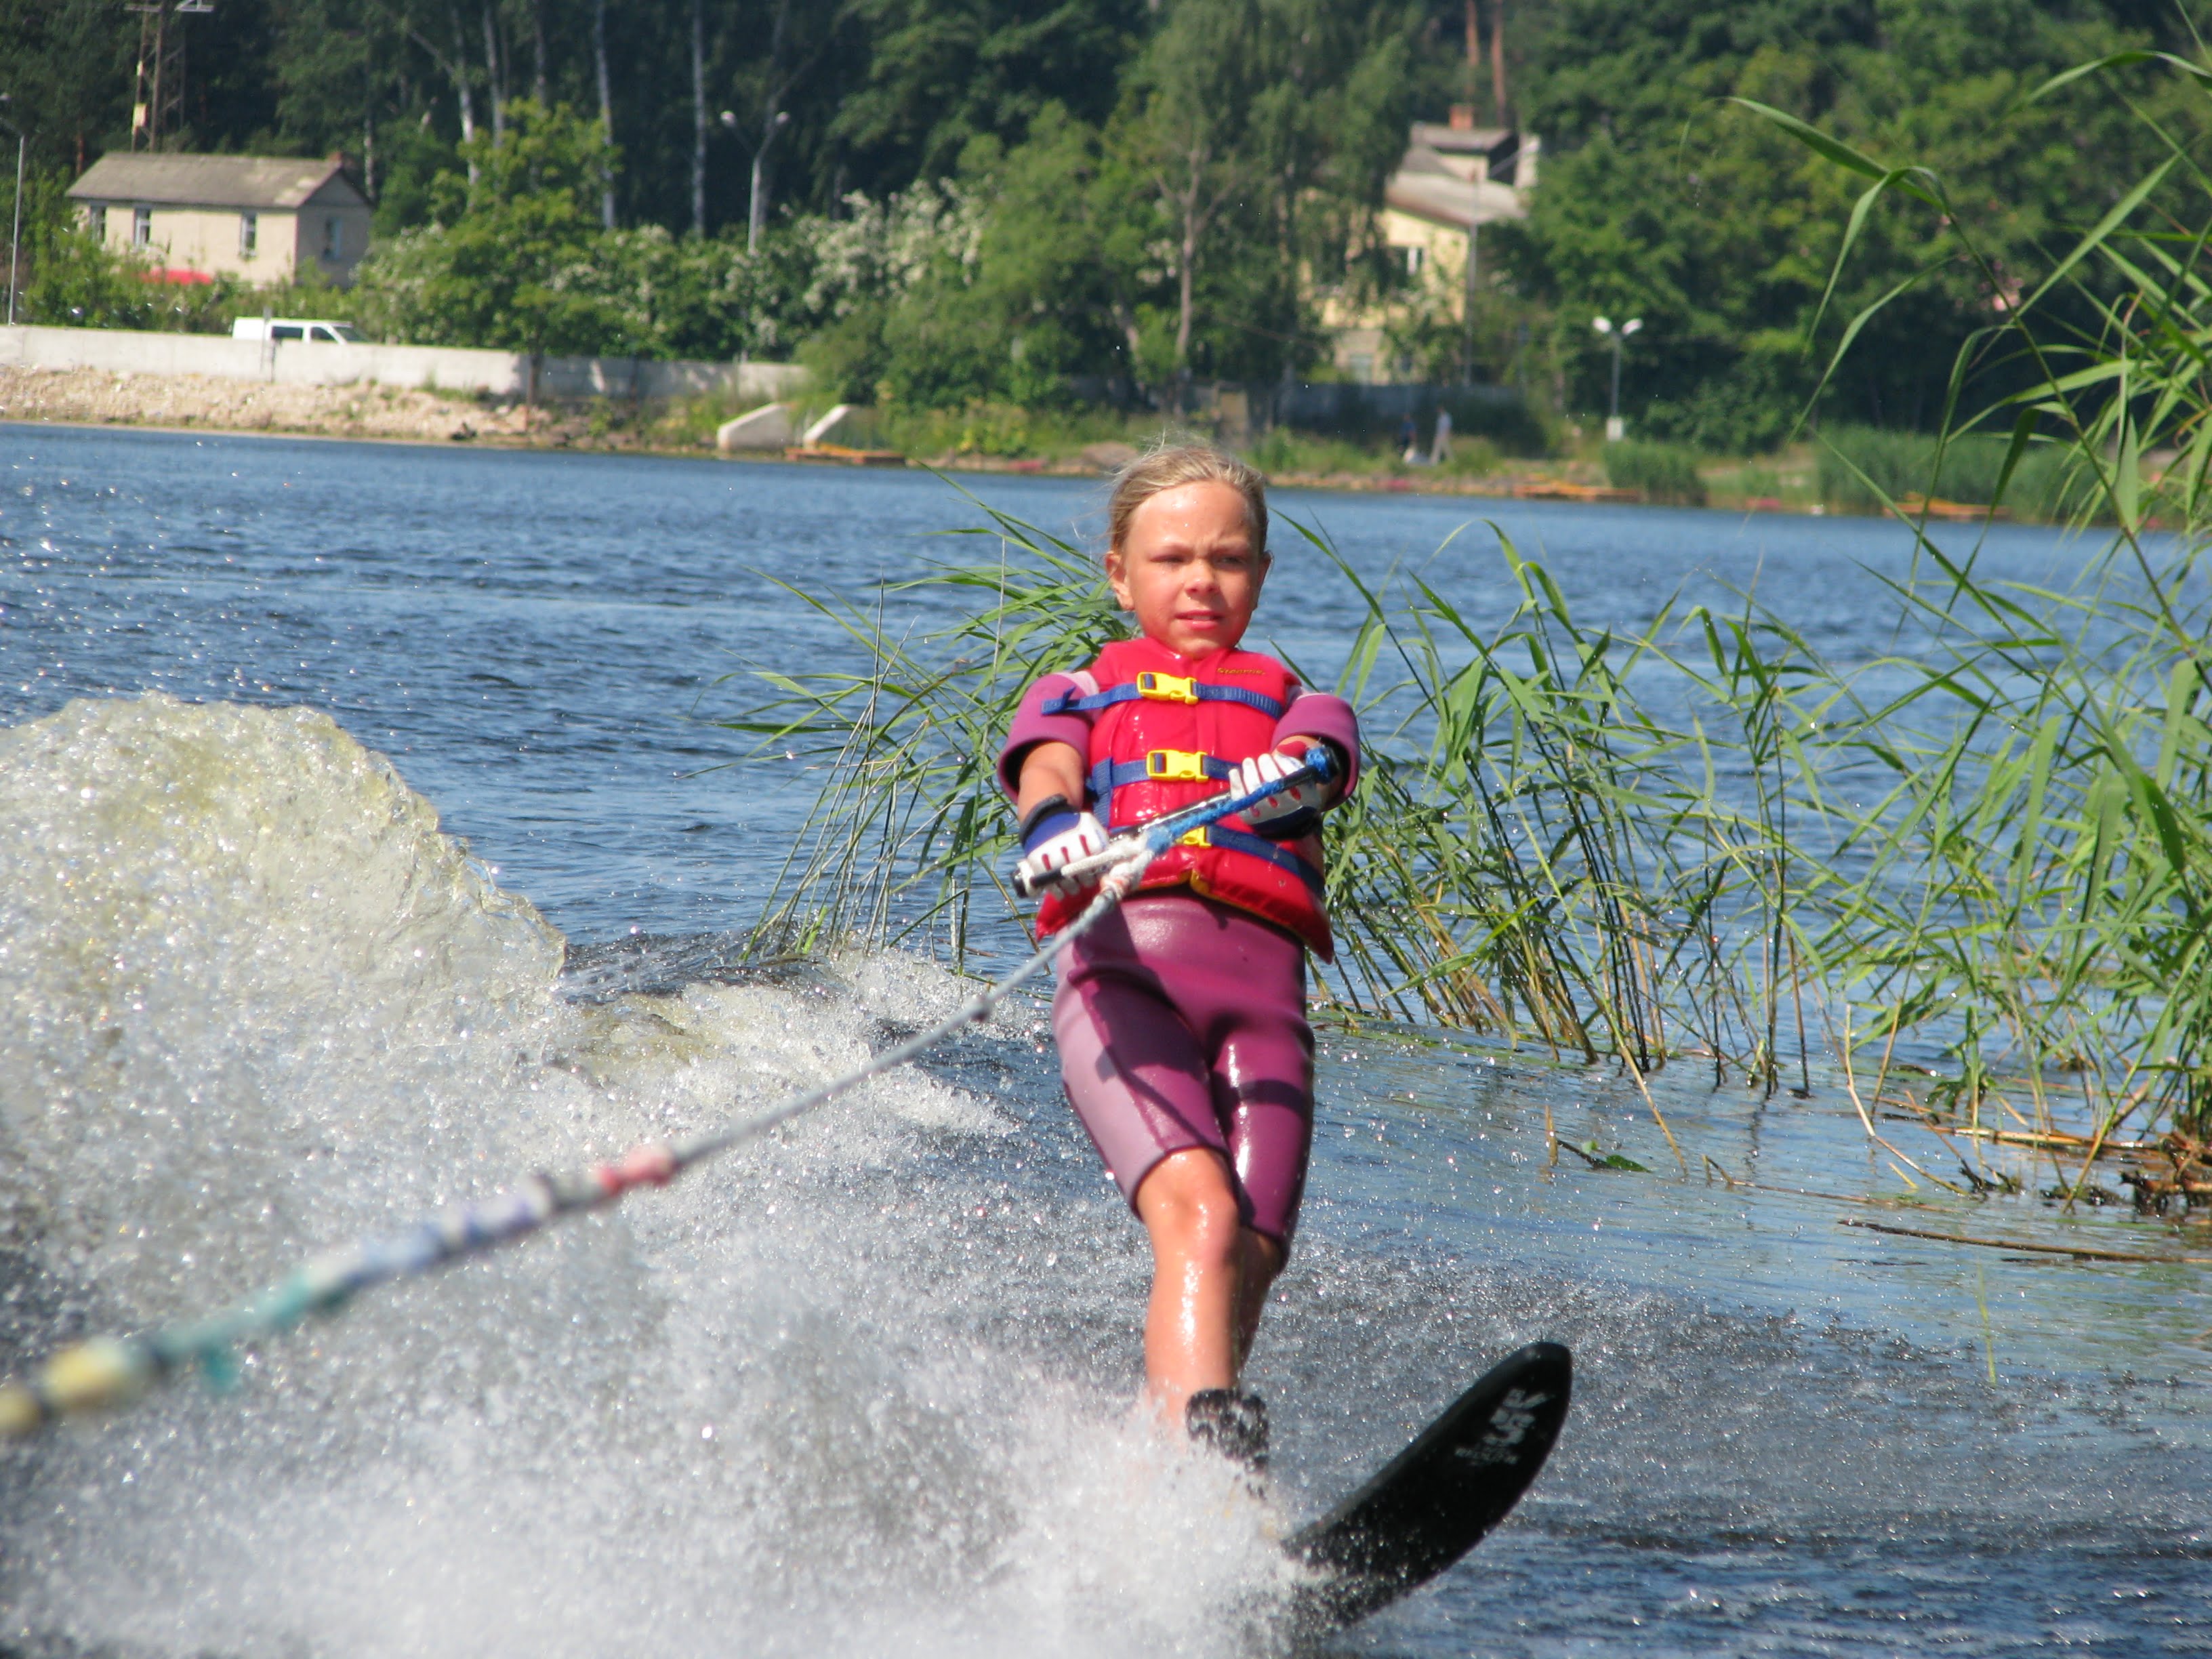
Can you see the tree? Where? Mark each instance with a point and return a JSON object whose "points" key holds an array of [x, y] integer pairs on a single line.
{"points": [[936, 75], [505, 262], [1661, 198], [1189, 134]]}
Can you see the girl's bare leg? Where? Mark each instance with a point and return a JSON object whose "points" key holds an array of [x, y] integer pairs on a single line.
{"points": [[1197, 1310], [1262, 1258]]}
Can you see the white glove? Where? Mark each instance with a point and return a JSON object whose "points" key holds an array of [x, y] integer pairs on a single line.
{"points": [[1262, 770], [1036, 872]]}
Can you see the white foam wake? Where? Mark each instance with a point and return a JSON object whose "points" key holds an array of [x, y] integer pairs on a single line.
{"points": [[852, 1392]]}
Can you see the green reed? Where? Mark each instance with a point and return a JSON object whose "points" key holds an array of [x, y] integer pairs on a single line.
{"points": [[1695, 838], [1527, 854], [909, 826], [2038, 861]]}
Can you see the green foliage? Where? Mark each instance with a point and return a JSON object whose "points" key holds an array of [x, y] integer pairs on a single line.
{"points": [[1263, 130], [1158, 192], [937, 77], [1716, 228], [71, 280], [1661, 472], [507, 258], [1280, 451], [1053, 434]]}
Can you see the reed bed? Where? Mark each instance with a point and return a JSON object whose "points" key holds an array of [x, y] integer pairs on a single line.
{"points": [[1981, 894]]}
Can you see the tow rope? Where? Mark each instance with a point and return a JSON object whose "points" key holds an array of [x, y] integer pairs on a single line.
{"points": [[110, 1370]]}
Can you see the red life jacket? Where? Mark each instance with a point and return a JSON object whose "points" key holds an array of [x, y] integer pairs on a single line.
{"points": [[1165, 733]]}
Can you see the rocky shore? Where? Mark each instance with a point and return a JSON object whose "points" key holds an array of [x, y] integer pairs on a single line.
{"points": [[98, 397]]}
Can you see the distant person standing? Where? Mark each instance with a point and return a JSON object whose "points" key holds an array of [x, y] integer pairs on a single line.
{"points": [[1409, 440], [1440, 450]]}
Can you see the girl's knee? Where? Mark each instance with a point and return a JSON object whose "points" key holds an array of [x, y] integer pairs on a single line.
{"points": [[1188, 1205]]}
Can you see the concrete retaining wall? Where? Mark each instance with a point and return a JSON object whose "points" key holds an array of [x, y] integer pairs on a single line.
{"points": [[445, 368]]}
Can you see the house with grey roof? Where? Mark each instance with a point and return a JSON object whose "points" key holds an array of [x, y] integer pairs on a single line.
{"points": [[1453, 178], [264, 218]]}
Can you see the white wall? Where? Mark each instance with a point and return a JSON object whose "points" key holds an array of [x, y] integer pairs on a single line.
{"points": [[448, 368]]}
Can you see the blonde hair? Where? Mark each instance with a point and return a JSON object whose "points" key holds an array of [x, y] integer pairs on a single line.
{"points": [[1172, 465]]}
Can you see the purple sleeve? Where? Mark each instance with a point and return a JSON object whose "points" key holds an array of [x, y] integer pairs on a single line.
{"points": [[1032, 726], [1319, 715]]}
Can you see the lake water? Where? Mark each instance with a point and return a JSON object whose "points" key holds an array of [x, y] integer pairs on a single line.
{"points": [[865, 1389]]}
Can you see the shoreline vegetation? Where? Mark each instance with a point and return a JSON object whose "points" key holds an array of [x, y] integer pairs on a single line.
{"points": [[1970, 881], [1860, 470]]}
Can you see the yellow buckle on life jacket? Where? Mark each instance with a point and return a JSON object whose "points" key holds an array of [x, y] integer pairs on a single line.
{"points": [[1167, 688], [1174, 765], [1193, 838]]}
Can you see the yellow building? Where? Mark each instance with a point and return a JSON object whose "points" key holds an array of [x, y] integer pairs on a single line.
{"points": [[1453, 178], [263, 218]]}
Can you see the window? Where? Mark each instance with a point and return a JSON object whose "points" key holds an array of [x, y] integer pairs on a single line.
{"points": [[96, 220], [249, 234], [333, 237], [287, 332], [1413, 261], [142, 226]]}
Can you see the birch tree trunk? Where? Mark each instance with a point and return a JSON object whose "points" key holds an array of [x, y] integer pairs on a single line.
{"points": [[771, 123], [457, 67], [606, 113], [698, 119], [496, 85], [537, 81]]}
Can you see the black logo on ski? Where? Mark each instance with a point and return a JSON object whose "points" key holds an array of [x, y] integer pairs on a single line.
{"points": [[1434, 1501]]}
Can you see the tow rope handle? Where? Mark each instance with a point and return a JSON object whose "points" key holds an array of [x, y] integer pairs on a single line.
{"points": [[1150, 840]]}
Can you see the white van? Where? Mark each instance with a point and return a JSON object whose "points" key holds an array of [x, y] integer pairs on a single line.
{"points": [[293, 328]]}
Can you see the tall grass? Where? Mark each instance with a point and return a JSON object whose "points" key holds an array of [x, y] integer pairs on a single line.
{"points": [[908, 830], [1866, 468], [1663, 473]]}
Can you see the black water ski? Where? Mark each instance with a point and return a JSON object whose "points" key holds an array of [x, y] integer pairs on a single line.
{"points": [[1434, 1501]]}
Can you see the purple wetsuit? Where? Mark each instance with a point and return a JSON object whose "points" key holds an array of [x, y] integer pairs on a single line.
{"points": [[1181, 1020]]}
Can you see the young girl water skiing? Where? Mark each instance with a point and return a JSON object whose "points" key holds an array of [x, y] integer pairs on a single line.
{"points": [[1181, 1016]]}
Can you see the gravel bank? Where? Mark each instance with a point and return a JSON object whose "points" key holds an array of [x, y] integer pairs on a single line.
{"points": [[98, 398]]}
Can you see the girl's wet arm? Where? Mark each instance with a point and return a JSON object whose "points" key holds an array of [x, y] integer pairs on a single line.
{"points": [[1049, 769]]}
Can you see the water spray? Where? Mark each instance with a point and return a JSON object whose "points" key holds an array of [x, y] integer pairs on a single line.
{"points": [[110, 1370]]}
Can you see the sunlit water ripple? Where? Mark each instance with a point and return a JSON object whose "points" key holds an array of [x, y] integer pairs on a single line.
{"points": [[864, 1389]]}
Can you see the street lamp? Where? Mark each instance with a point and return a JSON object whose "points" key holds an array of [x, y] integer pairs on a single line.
{"points": [[1614, 429], [15, 235]]}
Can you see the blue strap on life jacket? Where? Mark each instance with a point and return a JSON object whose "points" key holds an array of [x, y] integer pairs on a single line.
{"points": [[1109, 776], [1072, 702], [1242, 841]]}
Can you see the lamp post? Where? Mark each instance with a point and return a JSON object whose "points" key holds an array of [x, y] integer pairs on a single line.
{"points": [[1614, 431], [16, 232]]}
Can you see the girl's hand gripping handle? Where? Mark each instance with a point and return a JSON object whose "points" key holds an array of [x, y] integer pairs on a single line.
{"points": [[1152, 839]]}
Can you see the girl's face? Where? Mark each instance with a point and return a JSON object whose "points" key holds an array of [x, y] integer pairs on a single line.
{"points": [[1187, 568]]}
